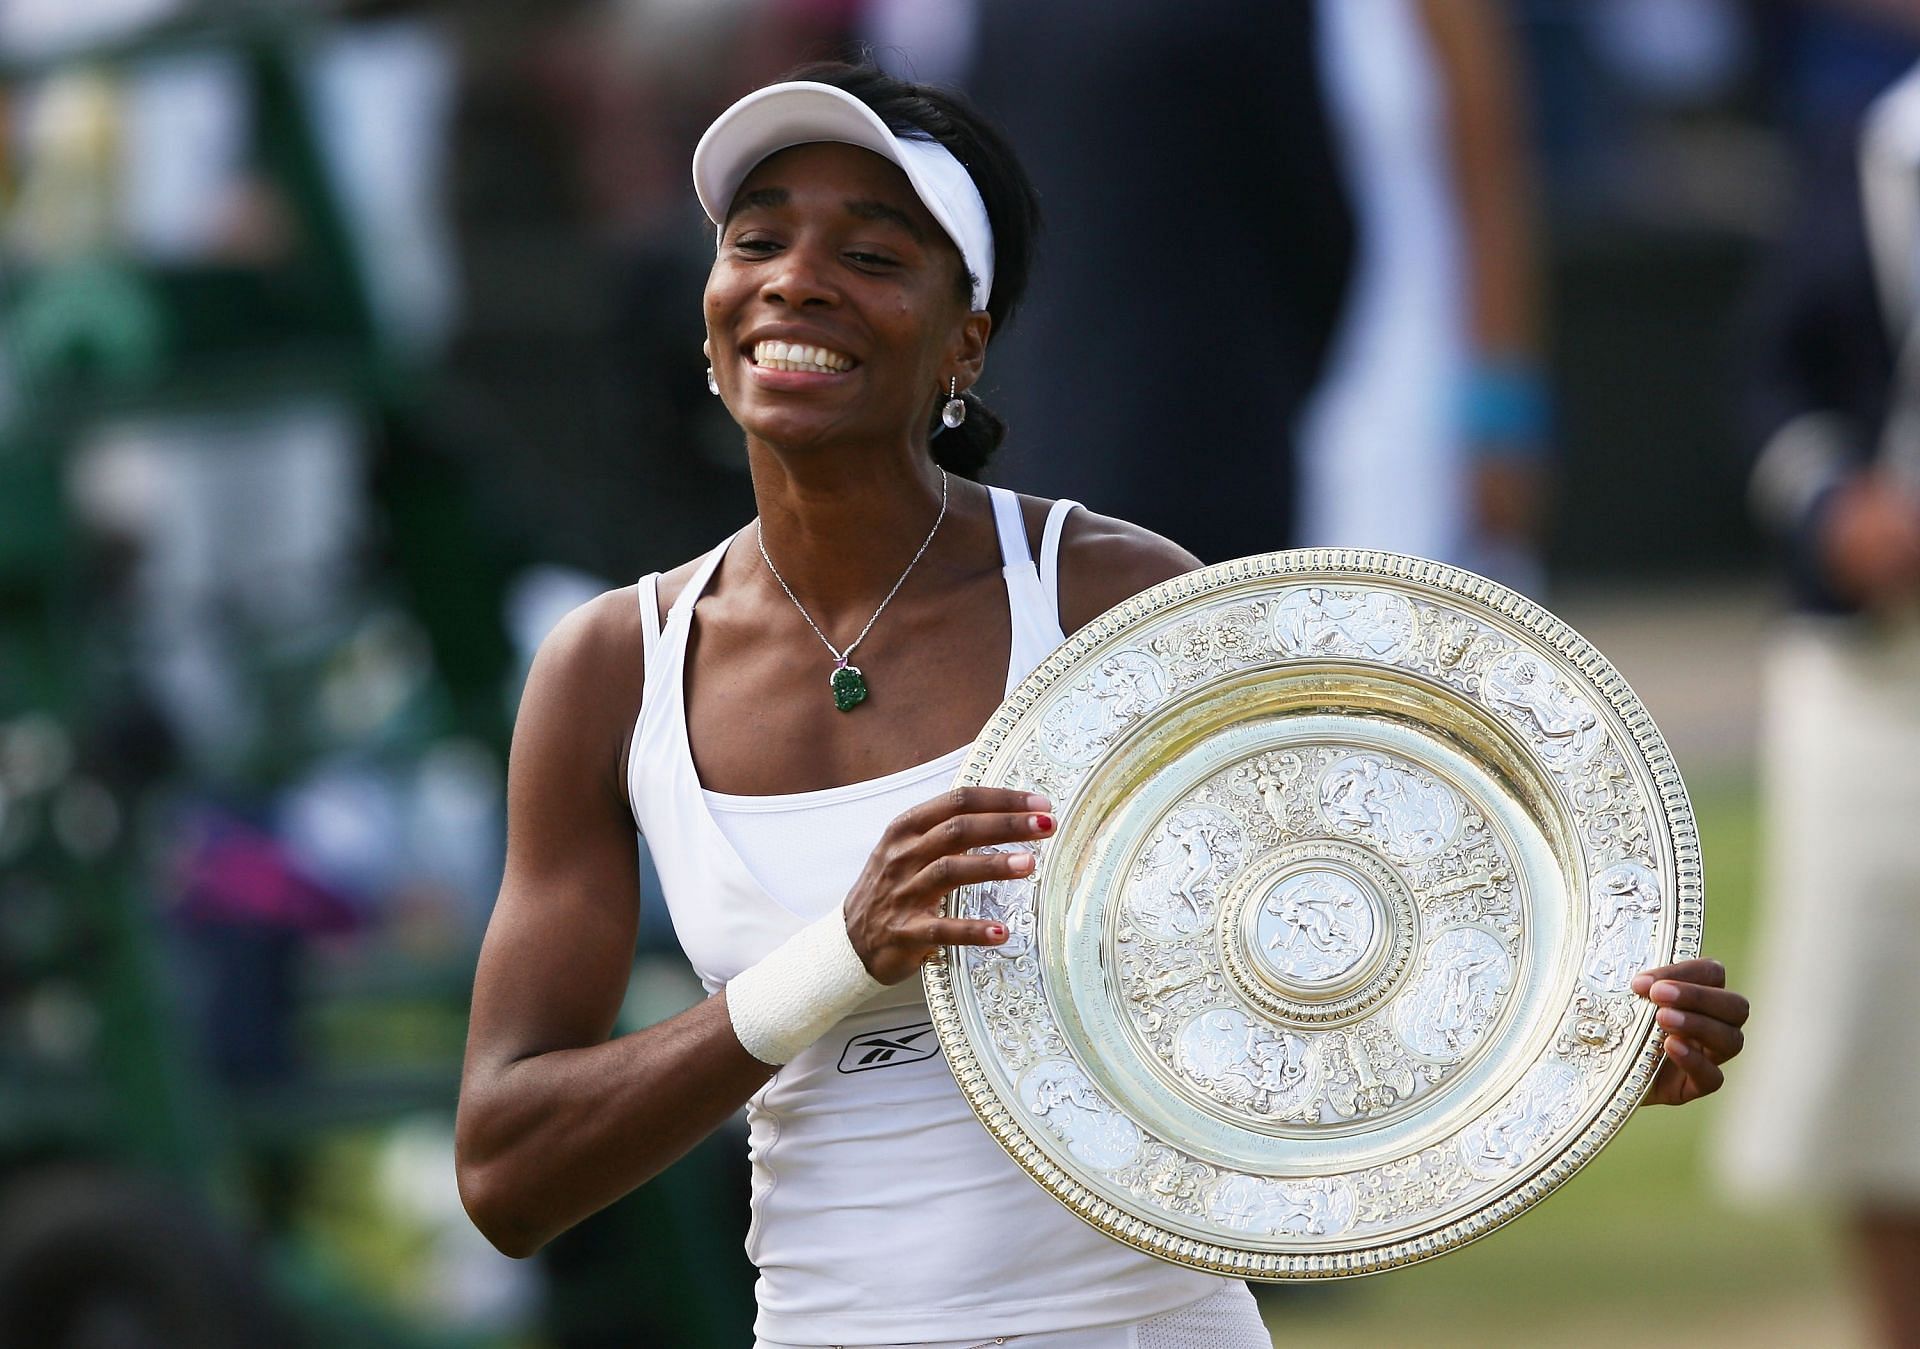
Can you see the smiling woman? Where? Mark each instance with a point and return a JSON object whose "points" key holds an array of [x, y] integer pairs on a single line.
{"points": [[873, 236], [828, 250], [917, 202]]}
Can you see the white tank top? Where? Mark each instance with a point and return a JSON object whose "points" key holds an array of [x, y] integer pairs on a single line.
{"points": [[882, 1211]]}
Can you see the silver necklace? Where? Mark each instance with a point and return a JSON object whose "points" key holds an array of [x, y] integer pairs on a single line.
{"points": [[848, 684]]}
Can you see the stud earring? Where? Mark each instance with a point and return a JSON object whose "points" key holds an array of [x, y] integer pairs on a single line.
{"points": [[713, 385], [955, 410]]}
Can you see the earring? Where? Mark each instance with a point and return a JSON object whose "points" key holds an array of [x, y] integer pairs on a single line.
{"points": [[713, 385], [955, 410]]}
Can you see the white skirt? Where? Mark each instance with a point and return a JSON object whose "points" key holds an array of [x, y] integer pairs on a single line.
{"points": [[1825, 1102]]}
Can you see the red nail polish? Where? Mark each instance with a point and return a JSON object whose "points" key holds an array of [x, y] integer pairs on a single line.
{"points": [[1043, 823], [997, 932]]}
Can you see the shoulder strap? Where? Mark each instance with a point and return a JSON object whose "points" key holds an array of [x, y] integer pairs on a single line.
{"points": [[1012, 528], [649, 589], [696, 584], [1050, 551]]}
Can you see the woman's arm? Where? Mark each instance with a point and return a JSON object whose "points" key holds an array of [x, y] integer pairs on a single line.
{"points": [[1491, 174], [556, 1121]]}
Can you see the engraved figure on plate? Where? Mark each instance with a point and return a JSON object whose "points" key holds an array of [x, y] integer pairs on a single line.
{"points": [[1122, 688], [1060, 1096], [1409, 815], [1173, 887], [1168, 1179], [1563, 725], [1455, 644], [1316, 925], [1626, 916], [1595, 1025], [1219, 639], [1366, 1070], [1544, 1103], [1316, 1207], [1275, 783], [1245, 1064], [1318, 621], [1612, 815], [1462, 978], [1008, 901]]}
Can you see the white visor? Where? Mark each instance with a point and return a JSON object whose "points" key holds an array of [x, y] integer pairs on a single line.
{"points": [[801, 112]]}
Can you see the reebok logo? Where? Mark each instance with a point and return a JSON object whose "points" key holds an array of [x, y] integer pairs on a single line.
{"points": [[884, 1049]]}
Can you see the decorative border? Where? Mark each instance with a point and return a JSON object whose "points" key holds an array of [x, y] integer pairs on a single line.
{"points": [[1577, 656]]}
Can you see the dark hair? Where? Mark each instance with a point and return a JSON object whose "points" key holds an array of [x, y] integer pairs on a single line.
{"points": [[1013, 213]]}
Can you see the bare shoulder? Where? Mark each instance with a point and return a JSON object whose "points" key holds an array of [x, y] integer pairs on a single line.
{"points": [[602, 643], [582, 695], [601, 640], [1104, 560]]}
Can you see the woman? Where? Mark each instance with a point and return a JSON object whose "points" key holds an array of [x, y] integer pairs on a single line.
{"points": [[793, 796]]}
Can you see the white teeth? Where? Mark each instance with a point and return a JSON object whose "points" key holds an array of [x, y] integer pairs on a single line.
{"points": [[796, 356]]}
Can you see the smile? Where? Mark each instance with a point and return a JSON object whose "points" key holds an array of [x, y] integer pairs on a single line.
{"points": [[794, 356]]}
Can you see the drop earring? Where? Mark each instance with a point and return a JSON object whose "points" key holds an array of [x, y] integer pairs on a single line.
{"points": [[713, 385], [955, 410]]}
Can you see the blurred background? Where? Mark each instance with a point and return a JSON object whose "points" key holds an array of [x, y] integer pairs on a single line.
{"points": [[345, 346]]}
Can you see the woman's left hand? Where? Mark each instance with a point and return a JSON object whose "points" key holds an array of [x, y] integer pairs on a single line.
{"points": [[1702, 1018]]}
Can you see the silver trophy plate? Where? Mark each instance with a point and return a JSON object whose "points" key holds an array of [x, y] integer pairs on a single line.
{"points": [[1325, 969]]}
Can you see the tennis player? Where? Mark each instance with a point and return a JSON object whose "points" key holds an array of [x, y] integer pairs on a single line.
{"points": [[781, 718]]}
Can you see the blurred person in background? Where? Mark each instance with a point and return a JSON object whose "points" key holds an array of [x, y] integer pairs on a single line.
{"points": [[1426, 434], [1830, 1110], [1187, 149], [1403, 408], [860, 272], [570, 172]]}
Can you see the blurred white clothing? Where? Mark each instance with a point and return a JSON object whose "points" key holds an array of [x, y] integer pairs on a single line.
{"points": [[1382, 464], [1825, 1103], [383, 98]]}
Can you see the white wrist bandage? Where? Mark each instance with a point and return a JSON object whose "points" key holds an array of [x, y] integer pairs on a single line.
{"points": [[806, 984]]}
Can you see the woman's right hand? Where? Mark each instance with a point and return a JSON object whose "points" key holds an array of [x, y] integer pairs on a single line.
{"points": [[893, 911]]}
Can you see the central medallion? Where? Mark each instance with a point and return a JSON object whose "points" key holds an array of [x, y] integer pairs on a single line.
{"points": [[1317, 932], [1315, 928]]}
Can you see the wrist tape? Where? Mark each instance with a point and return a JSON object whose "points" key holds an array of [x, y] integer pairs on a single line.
{"points": [[792, 997]]}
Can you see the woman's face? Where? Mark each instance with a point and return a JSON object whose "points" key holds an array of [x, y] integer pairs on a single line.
{"points": [[835, 309]]}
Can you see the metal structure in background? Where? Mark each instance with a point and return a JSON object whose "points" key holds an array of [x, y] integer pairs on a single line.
{"points": [[141, 1193]]}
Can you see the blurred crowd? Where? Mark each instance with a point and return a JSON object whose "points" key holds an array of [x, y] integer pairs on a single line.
{"points": [[345, 346]]}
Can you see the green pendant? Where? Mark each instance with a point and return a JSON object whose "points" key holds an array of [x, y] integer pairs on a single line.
{"points": [[849, 687]]}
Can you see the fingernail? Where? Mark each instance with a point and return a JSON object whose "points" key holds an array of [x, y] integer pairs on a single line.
{"points": [[1641, 983], [1669, 1018], [1020, 861], [1035, 801], [1679, 1048], [995, 932], [1041, 824], [1665, 991]]}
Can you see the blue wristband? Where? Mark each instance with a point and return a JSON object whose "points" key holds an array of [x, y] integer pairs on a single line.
{"points": [[1505, 410]]}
